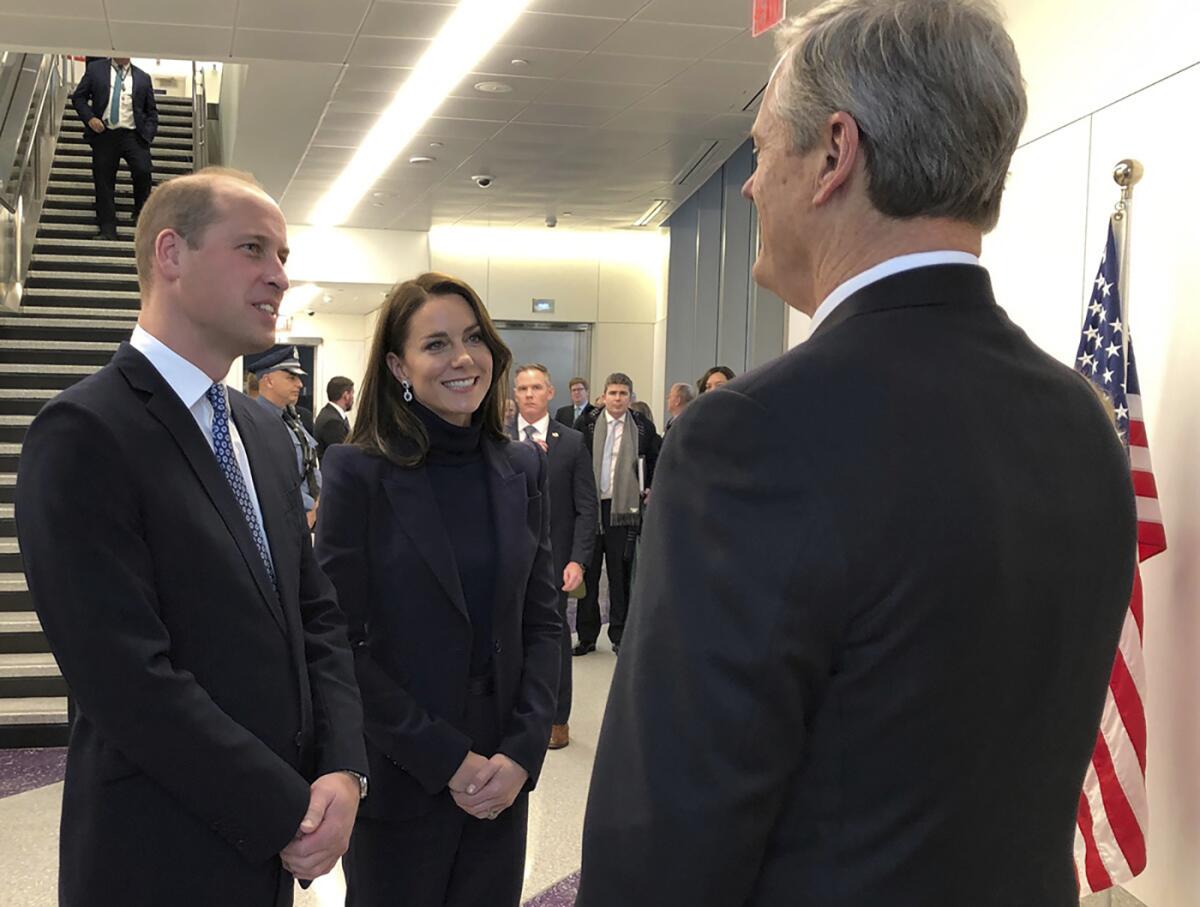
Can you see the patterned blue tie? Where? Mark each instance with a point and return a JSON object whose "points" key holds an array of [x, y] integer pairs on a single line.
{"points": [[223, 448], [114, 112]]}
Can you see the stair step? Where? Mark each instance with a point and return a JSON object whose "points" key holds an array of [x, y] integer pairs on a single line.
{"points": [[11, 393], [49, 261], [13, 582], [65, 346], [63, 323], [41, 292], [117, 249], [115, 316], [33, 710], [13, 420], [7, 510], [20, 368], [29, 664], [126, 280], [69, 161]]}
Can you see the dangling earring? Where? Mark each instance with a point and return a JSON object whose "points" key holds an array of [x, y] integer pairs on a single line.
{"points": [[407, 390]]}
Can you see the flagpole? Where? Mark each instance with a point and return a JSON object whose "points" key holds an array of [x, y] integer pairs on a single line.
{"points": [[1127, 174]]}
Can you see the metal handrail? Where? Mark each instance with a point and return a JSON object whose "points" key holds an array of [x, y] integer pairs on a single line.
{"points": [[41, 91], [199, 118]]}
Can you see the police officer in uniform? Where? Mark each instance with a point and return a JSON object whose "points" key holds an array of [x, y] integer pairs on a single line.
{"points": [[280, 381]]}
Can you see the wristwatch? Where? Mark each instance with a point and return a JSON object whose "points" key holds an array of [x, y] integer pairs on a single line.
{"points": [[362, 782]]}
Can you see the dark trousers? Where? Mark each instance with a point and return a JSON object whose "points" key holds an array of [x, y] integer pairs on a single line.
{"points": [[108, 148], [562, 712], [614, 547], [444, 858]]}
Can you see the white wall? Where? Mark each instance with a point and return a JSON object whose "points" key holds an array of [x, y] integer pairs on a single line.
{"points": [[1079, 57], [346, 255], [614, 281], [342, 350]]}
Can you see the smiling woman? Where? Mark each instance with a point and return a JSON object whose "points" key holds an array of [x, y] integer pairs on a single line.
{"points": [[430, 515]]}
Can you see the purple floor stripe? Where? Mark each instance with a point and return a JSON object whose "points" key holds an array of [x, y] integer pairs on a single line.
{"points": [[22, 770], [560, 894]]}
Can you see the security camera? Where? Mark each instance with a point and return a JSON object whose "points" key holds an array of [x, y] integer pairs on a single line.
{"points": [[551, 221], [311, 312], [482, 180]]}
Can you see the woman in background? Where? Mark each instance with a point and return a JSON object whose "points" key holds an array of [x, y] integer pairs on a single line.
{"points": [[714, 377], [435, 531]]}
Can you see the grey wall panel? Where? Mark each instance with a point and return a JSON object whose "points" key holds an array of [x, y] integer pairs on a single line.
{"points": [[715, 313]]}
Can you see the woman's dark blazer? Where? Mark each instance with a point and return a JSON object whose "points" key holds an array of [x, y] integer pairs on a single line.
{"points": [[382, 540]]}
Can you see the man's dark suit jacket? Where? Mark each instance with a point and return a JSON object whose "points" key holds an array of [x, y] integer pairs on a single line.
{"points": [[331, 428], [382, 540], [566, 414], [207, 702], [91, 98], [574, 502], [869, 665]]}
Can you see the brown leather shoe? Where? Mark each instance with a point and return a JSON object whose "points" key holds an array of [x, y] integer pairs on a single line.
{"points": [[560, 736]]}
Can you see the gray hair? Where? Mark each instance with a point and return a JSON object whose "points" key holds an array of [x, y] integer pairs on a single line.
{"points": [[684, 390], [934, 86]]}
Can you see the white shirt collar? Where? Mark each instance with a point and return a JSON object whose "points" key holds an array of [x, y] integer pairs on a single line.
{"points": [[123, 70], [611, 418], [185, 378], [542, 425], [886, 269]]}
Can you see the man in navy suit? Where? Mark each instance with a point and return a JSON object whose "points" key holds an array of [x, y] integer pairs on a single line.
{"points": [[115, 102], [217, 749], [573, 509], [869, 664]]}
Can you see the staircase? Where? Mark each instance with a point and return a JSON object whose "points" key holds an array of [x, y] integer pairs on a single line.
{"points": [[80, 302]]}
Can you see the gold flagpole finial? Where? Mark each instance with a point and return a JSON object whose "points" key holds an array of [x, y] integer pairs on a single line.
{"points": [[1127, 174]]}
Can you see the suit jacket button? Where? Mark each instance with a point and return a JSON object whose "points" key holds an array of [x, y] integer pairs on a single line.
{"points": [[298, 739], [498, 648]]}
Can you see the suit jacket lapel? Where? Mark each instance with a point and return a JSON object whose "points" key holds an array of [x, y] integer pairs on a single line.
{"points": [[506, 487], [167, 408], [416, 509]]}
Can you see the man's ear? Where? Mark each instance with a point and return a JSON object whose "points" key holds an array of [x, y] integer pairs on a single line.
{"points": [[842, 144]]}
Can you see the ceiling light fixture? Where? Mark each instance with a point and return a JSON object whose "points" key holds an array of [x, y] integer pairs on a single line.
{"points": [[472, 30], [493, 87], [652, 212], [421, 159]]}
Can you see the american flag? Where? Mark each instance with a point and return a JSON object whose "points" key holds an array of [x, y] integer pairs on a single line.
{"points": [[1110, 834]]}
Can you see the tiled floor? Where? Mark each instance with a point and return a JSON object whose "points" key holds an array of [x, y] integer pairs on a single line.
{"points": [[30, 798]]}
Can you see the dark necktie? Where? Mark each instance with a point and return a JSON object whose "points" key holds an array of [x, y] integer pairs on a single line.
{"points": [[530, 434], [223, 448]]}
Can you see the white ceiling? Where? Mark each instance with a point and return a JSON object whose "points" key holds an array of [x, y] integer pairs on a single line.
{"points": [[622, 101]]}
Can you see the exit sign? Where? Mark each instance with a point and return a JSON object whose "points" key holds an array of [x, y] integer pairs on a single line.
{"points": [[767, 14]]}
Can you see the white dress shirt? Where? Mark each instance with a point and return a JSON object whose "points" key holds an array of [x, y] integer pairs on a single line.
{"points": [[612, 446], [540, 428], [126, 103], [886, 269], [190, 385]]}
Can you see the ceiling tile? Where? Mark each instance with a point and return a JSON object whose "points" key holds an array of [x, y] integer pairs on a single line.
{"points": [[709, 86], [406, 20], [560, 32], [42, 31], [618, 9], [627, 69], [459, 129], [360, 102], [542, 62], [404, 52], [372, 78], [310, 47], [745, 48], [482, 108], [340, 138], [561, 115], [219, 12], [180, 42], [357, 122], [523, 88], [697, 12], [658, 121], [660, 39], [593, 94], [341, 18], [82, 9]]}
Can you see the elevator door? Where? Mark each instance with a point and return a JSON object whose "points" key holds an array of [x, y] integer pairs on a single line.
{"points": [[565, 349]]}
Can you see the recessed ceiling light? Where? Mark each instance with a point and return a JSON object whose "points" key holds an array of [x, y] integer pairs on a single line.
{"points": [[376, 204], [436, 144], [378, 195], [519, 62], [473, 29], [421, 159], [493, 87]]}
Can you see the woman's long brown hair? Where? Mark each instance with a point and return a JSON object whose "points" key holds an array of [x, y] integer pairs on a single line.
{"points": [[385, 424]]}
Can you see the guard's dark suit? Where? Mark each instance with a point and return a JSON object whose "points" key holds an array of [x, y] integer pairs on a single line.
{"points": [[869, 663], [331, 428], [207, 702]]}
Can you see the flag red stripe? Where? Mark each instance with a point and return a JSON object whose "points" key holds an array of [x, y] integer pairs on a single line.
{"points": [[1135, 601], [1137, 434], [1093, 867], [1152, 539], [1117, 811], [1143, 484], [1129, 705]]}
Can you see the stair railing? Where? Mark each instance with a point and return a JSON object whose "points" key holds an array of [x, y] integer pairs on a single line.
{"points": [[199, 118], [33, 91]]}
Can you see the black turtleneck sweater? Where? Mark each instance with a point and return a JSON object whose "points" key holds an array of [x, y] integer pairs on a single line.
{"points": [[458, 474]]}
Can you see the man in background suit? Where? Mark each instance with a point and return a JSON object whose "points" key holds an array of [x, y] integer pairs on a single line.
{"points": [[115, 102], [579, 406], [332, 424], [869, 664], [217, 749], [573, 509]]}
